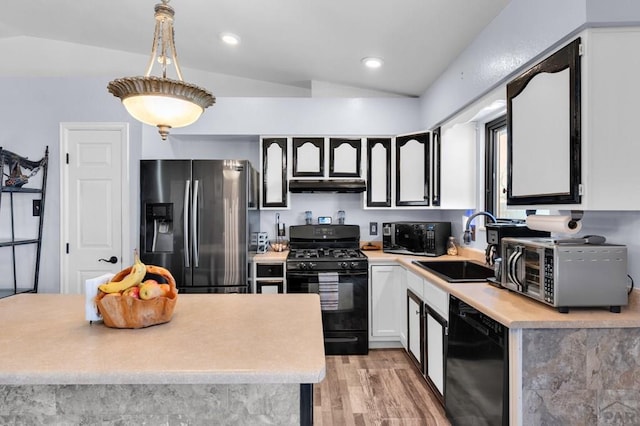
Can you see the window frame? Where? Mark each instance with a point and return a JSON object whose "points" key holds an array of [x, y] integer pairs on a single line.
{"points": [[490, 167]]}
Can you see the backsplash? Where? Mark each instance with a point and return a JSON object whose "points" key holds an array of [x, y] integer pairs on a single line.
{"points": [[329, 204]]}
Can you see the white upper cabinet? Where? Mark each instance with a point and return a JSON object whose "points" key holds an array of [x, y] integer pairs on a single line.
{"points": [[308, 157], [605, 159], [543, 121], [458, 167], [412, 170], [379, 172], [344, 157], [423, 170]]}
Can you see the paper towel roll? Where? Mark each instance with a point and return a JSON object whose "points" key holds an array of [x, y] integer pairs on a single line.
{"points": [[91, 291], [554, 223]]}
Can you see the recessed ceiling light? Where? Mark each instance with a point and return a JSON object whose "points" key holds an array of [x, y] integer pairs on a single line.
{"points": [[230, 39], [371, 62]]}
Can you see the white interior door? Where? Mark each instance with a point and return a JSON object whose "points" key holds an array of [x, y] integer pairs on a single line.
{"points": [[95, 194]]}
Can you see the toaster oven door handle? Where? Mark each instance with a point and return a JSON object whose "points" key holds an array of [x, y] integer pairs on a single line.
{"points": [[513, 267], [509, 267]]}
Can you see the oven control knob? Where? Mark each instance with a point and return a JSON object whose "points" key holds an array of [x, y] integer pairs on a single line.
{"points": [[302, 265], [344, 265], [312, 265], [354, 265]]}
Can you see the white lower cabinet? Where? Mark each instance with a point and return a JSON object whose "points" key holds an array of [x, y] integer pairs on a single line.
{"points": [[386, 301], [268, 277], [435, 329], [436, 319], [427, 319], [415, 331]]}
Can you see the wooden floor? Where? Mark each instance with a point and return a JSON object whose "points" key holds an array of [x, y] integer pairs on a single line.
{"points": [[382, 388]]}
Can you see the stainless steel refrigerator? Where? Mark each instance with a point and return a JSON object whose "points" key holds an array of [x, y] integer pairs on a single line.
{"points": [[196, 220]]}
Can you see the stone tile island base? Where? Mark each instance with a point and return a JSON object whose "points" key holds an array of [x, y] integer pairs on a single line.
{"points": [[581, 376], [167, 404]]}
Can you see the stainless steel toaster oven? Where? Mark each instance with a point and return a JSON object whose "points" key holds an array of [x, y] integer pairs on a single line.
{"points": [[565, 275]]}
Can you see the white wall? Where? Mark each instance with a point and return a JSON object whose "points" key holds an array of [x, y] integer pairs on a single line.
{"points": [[306, 116], [32, 110]]}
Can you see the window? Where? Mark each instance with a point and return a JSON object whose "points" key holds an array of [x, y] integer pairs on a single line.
{"points": [[496, 171]]}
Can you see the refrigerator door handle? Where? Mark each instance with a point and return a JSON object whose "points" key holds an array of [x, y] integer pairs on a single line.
{"points": [[185, 222], [194, 227]]}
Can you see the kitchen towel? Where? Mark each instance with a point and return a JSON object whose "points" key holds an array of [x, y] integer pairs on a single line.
{"points": [[554, 223], [328, 289]]}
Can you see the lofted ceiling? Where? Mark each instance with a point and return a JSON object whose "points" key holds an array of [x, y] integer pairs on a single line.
{"points": [[289, 42]]}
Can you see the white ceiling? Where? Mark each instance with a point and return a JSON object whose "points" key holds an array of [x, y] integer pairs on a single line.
{"points": [[290, 42]]}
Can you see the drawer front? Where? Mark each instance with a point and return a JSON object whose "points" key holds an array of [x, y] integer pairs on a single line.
{"points": [[270, 270], [415, 284], [436, 298], [270, 287]]}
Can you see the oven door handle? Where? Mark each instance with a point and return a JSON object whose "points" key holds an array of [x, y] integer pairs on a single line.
{"points": [[341, 339], [315, 273]]}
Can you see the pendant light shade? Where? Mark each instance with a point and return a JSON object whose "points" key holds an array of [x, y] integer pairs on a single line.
{"points": [[161, 101]]}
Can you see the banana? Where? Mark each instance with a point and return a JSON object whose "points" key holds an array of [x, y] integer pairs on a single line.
{"points": [[135, 277]]}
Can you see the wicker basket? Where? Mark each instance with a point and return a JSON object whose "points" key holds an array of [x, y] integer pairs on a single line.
{"points": [[129, 312]]}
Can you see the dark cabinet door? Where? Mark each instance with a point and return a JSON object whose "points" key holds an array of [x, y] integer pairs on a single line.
{"points": [[412, 170], [543, 131], [435, 167], [274, 172]]}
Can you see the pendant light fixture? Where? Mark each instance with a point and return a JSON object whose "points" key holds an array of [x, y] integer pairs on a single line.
{"points": [[161, 101]]}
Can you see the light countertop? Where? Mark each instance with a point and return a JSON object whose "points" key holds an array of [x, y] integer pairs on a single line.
{"points": [[212, 339], [269, 256], [515, 310]]}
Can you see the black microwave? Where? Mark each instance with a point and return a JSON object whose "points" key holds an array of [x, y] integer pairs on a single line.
{"points": [[417, 238]]}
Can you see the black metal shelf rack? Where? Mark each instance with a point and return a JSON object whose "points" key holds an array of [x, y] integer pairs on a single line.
{"points": [[11, 185]]}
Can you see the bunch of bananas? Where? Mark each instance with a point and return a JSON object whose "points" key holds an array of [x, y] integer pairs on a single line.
{"points": [[130, 281]]}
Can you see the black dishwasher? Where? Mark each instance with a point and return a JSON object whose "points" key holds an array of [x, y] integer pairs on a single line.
{"points": [[477, 368]]}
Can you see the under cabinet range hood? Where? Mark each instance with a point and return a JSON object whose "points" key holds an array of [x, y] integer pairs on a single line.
{"points": [[327, 185]]}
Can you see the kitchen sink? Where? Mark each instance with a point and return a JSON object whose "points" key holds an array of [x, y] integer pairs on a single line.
{"points": [[457, 271]]}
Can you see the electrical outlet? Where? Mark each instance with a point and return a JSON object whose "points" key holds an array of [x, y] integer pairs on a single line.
{"points": [[373, 228], [35, 208]]}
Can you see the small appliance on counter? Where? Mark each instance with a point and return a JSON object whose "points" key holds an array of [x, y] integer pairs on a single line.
{"points": [[497, 231], [575, 272], [417, 238], [280, 243], [260, 242]]}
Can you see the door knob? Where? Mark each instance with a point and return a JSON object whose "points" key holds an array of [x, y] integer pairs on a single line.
{"points": [[112, 259]]}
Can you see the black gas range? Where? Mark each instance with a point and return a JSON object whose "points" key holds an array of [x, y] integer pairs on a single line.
{"points": [[326, 259]]}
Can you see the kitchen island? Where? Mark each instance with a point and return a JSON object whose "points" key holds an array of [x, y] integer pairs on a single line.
{"points": [[223, 359]]}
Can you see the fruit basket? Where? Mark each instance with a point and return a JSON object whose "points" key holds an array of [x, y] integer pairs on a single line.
{"points": [[279, 245], [120, 311]]}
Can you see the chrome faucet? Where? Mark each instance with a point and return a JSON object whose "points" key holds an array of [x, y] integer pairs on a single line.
{"points": [[466, 237]]}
